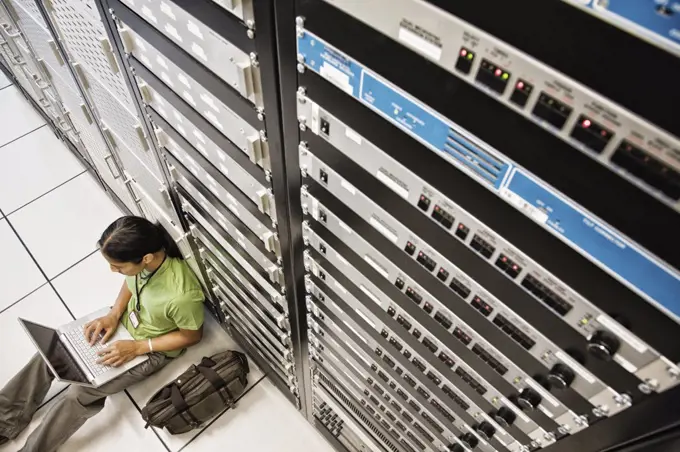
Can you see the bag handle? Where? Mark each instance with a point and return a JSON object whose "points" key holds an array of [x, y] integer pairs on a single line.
{"points": [[181, 405]]}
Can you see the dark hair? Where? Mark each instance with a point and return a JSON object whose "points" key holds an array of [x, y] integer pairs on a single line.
{"points": [[129, 239]]}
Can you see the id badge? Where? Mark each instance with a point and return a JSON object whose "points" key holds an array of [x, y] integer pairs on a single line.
{"points": [[134, 320]]}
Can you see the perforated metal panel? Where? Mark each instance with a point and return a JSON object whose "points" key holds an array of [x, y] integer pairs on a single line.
{"points": [[122, 122], [85, 37], [31, 7], [42, 43]]}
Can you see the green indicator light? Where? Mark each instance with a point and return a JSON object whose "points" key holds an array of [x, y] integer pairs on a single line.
{"points": [[505, 76], [471, 56]]}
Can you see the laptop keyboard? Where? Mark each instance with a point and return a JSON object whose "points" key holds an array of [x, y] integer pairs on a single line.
{"points": [[87, 351]]}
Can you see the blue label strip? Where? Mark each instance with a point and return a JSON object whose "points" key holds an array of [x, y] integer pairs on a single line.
{"points": [[665, 23], [578, 228], [406, 113]]}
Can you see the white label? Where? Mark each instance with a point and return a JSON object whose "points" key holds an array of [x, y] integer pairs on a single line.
{"points": [[146, 61], [198, 50], [167, 9], [369, 294], [201, 149], [355, 332], [383, 230], [543, 392], [210, 101], [148, 13], [365, 317], [377, 267], [537, 215], [172, 31], [352, 135], [576, 367], [349, 187], [199, 136], [392, 185], [189, 98], [630, 367], [337, 77], [420, 44], [182, 78], [345, 227], [161, 61], [315, 117], [166, 79], [622, 333], [545, 411], [339, 287], [341, 259], [211, 116], [193, 28]]}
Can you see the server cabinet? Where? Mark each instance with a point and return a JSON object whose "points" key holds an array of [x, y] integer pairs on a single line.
{"points": [[474, 221], [204, 77]]}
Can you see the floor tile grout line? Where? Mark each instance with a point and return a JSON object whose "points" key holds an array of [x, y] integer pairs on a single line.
{"points": [[20, 137], [47, 192], [70, 267], [6, 86], [23, 298], [134, 403], [222, 413], [9, 223]]}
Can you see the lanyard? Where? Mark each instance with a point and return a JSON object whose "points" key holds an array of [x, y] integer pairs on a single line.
{"points": [[139, 291]]}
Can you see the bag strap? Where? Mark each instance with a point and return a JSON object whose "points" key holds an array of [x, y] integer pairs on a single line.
{"points": [[217, 382], [181, 405]]}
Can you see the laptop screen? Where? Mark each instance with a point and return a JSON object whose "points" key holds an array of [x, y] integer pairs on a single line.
{"points": [[47, 341]]}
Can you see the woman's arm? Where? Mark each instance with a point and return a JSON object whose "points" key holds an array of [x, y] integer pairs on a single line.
{"points": [[175, 340], [120, 306], [121, 352]]}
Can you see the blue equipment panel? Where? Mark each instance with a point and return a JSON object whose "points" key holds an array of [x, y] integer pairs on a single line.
{"points": [[658, 18], [543, 204]]}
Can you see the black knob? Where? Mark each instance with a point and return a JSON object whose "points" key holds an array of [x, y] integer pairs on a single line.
{"points": [[456, 448], [470, 440], [505, 416], [561, 376], [486, 430], [604, 345], [529, 399]]}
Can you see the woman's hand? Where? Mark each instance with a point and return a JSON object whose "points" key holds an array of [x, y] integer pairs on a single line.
{"points": [[105, 326], [119, 353]]}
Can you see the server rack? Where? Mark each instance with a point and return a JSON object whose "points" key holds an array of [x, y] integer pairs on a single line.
{"points": [[365, 192]]}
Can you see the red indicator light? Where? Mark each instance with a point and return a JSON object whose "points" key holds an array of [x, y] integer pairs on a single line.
{"points": [[586, 123], [520, 85], [514, 267], [498, 72], [504, 259], [463, 52], [603, 133]]}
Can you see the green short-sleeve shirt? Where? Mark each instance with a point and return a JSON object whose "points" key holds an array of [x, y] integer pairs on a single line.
{"points": [[171, 299]]}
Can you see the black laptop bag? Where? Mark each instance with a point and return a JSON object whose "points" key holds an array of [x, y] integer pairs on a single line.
{"points": [[200, 393]]}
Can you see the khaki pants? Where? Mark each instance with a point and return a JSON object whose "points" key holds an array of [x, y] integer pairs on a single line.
{"points": [[21, 397]]}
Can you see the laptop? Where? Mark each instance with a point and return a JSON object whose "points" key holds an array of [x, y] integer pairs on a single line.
{"points": [[71, 357]]}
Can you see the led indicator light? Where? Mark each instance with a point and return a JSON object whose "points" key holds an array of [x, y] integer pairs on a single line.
{"points": [[505, 76], [463, 52], [470, 56], [520, 85], [586, 123], [498, 72]]}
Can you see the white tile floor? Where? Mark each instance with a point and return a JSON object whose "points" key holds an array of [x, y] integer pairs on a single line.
{"points": [[51, 214]]}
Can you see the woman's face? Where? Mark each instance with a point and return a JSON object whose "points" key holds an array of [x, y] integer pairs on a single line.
{"points": [[124, 268]]}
